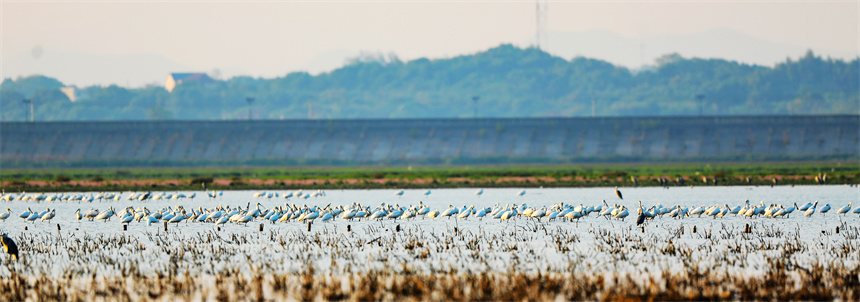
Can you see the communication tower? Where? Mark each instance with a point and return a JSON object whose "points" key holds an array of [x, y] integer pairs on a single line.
{"points": [[540, 22]]}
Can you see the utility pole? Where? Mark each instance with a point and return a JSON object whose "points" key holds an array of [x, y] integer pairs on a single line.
{"points": [[593, 106], [249, 100], [540, 21], [537, 25], [475, 106], [30, 101]]}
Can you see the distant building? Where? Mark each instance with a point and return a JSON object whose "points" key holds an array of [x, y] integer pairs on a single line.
{"points": [[72, 92], [176, 79]]}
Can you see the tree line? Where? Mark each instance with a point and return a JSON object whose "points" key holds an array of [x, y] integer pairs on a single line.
{"points": [[505, 81]]}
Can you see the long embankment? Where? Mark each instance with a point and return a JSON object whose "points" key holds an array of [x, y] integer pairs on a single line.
{"points": [[430, 141]]}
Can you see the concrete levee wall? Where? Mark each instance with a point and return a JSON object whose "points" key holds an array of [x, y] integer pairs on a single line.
{"points": [[430, 141]]}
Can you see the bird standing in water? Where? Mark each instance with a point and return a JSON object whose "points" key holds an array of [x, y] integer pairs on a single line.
{"points": [[618, 193], [10, 246]]}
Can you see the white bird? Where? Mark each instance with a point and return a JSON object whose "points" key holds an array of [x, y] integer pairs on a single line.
{"points": [[622, 214], [790, 210], [714, 212], [521, 193], [275, 215], [482, 213], [150, 220], [347, 215], [508, 214], [466, 213], [810, 210], [618, 193], [105, 215], [92, 213], [26, 213], [245, 219], [409, 213], [49, 216], [394, 214], [5, 215], [841, 210], [479, 192], [423, 210], [450, 211], [538, 213], [178, 218], [399, 193], [33, 217], [427, 193], [825, 209], [698, 211]]}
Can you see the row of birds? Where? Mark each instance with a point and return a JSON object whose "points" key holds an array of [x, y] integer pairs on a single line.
{"points": [[143, 196], [293, 212], [93, 197], [479, 192], [320, 193], [772, 210]]}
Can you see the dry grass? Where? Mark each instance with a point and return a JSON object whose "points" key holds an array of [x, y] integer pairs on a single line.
{"points": [[375, 263]]}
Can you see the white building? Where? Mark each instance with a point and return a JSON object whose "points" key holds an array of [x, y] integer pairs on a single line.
{"points": [[176, 79]]}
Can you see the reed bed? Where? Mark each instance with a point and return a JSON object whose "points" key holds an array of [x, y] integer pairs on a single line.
{"points": [[385, 261]]}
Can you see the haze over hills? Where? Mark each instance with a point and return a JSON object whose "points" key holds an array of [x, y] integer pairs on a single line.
{"points": [[633, 53], [86, 69], [138, 70], [504, 81]]}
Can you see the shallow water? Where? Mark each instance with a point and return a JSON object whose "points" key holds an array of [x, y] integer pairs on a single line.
{"points": [[77, 256], [514, 239], [836, 196]]}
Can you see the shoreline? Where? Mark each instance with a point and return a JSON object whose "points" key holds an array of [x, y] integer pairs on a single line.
{"points": [[410, 183]]}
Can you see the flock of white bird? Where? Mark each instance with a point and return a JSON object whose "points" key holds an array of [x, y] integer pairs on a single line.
{"points": [[93, 197], [294, 212]]}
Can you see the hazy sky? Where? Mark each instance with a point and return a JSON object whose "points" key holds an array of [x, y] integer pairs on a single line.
{"points": [[273, 38]]}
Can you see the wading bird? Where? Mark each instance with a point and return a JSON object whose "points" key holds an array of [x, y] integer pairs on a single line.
{"points": [[641, 219], [618, 193], [842, 210], [825, 209], [811, 210], [10, 246]]}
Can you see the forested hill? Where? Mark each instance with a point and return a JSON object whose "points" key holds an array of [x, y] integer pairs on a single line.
{"points": [[505, 81]]}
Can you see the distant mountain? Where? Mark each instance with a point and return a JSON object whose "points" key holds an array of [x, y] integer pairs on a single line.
{"points": [[633, 53], [328, 61], [85, 69], [724, 44], [504, 81]]}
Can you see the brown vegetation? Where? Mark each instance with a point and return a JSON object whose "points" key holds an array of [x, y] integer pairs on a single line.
{"points": [[413, 264]]}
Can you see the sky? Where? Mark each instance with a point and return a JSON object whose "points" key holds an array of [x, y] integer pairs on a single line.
{"points": [[141, 41]]}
